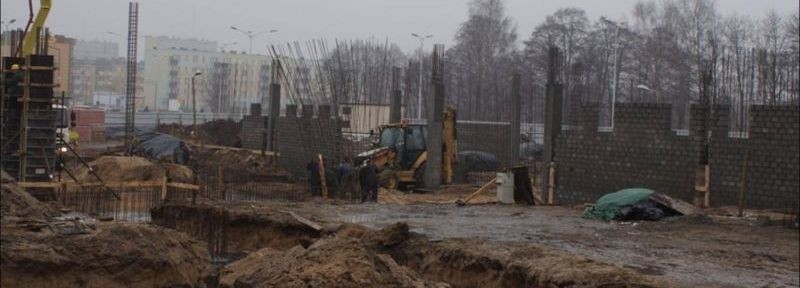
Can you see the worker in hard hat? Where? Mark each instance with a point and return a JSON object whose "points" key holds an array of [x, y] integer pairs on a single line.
{"points": [[13, 88]]}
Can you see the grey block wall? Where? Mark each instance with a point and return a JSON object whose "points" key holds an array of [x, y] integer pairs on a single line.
{"points": [[642, 151]]}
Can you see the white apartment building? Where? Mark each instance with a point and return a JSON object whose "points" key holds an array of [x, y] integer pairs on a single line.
{"points": [[229, 81]]}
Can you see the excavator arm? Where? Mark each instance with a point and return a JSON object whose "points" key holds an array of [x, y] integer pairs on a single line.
{"points": [[29, 42]]}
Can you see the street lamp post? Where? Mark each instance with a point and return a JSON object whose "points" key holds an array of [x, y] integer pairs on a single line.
{"points": [[194, 105], [419, 95], [251, 35], [6, 24]]}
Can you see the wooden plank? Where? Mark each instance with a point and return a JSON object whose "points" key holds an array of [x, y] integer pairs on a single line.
{"points": [[183, 186], [258, 152], [676, 204], [52, 185], [477, 192], [305, 221], [163, 188], [323, 182]]}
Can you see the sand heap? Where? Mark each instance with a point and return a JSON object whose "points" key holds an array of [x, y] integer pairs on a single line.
{"points": [[124, 168], [344, 260], [106, 255], [19, 203]]}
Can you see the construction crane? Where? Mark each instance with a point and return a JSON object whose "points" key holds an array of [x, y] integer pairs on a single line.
{"points": [[33, 29]]}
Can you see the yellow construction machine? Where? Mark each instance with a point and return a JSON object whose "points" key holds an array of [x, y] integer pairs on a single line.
{"points": [[34, 28], [401, 152]]}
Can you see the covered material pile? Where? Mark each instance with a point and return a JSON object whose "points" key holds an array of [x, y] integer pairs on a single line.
{"points": [[124, 168], [630, 204]]}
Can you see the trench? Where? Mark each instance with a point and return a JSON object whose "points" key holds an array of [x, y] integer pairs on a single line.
{"points": [[456, 262]]}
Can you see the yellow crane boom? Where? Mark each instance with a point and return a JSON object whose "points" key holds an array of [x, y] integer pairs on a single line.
{"points": [[29, 42]]}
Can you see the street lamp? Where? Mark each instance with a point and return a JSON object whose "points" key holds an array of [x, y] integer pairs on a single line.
{"points": [[645, 88], [8, 23], [194, 106], [419, 95], [252, 35]]}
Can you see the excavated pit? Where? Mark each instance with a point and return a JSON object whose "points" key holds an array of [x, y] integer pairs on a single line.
{"points": [[280, 249], [39, 248]]}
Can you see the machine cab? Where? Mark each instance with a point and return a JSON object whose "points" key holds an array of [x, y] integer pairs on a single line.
{"points": [[408, 142]]}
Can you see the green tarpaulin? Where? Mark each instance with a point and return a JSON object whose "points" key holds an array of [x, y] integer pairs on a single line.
{"points": [[608, 206]]}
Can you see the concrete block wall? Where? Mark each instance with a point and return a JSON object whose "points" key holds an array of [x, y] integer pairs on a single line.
{"points": [[642, 151], [774, 144], [301, 137], [253, 128]]}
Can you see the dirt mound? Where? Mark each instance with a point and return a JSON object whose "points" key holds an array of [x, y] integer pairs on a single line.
{"points": [[474, 263], [19, 203], [125, 168], [110, 255], [217, 132], [239, 165], [338, 261], [247, 229]]}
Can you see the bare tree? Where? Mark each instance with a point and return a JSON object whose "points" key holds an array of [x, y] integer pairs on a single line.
{"points": [[481, 59]]}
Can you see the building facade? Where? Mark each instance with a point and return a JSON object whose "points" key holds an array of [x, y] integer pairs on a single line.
{"points": [[228, 81]]}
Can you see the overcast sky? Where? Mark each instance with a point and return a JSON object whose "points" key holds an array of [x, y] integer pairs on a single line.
{"points": [[314, 19]]}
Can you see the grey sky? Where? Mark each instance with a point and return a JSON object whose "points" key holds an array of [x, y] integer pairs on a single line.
{"points": [[313, 19]]}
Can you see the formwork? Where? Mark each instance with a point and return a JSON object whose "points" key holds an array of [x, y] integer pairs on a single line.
{"points": [[28, 120]]}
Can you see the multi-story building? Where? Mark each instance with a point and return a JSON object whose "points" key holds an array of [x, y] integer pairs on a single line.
{"points": [[228, 83], [91, 50]]}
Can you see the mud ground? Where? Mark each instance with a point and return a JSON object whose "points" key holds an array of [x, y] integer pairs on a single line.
{"points": [[694, 251]]}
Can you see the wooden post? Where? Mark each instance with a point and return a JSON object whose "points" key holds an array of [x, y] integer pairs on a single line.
{"points": [[323, 184], [164, 189], [743, 182], [221, 183], [551, 185], [63, 193], [707, 176]]}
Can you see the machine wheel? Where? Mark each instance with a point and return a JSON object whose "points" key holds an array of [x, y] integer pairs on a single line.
{"points": [[389, 179], [419, 175]]}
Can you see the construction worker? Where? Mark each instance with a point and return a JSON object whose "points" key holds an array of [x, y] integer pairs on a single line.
{"points": [[345, 177], [313, 177], [368, 177], [13, 88]]}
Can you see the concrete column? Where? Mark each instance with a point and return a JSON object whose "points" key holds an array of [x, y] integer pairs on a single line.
{"points": [[552, 117], [515, 119], [396, 100], [274, 114], [433, 171]]}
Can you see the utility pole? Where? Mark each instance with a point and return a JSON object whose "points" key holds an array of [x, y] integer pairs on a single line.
{"points": [[421, 58]]}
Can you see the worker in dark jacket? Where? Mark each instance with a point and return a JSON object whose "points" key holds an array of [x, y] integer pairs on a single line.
{"points": [[14, 82], [313, 177], [368, 177]]}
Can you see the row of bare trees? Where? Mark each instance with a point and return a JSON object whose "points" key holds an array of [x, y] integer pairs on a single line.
{"points": [[660, 52]]}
